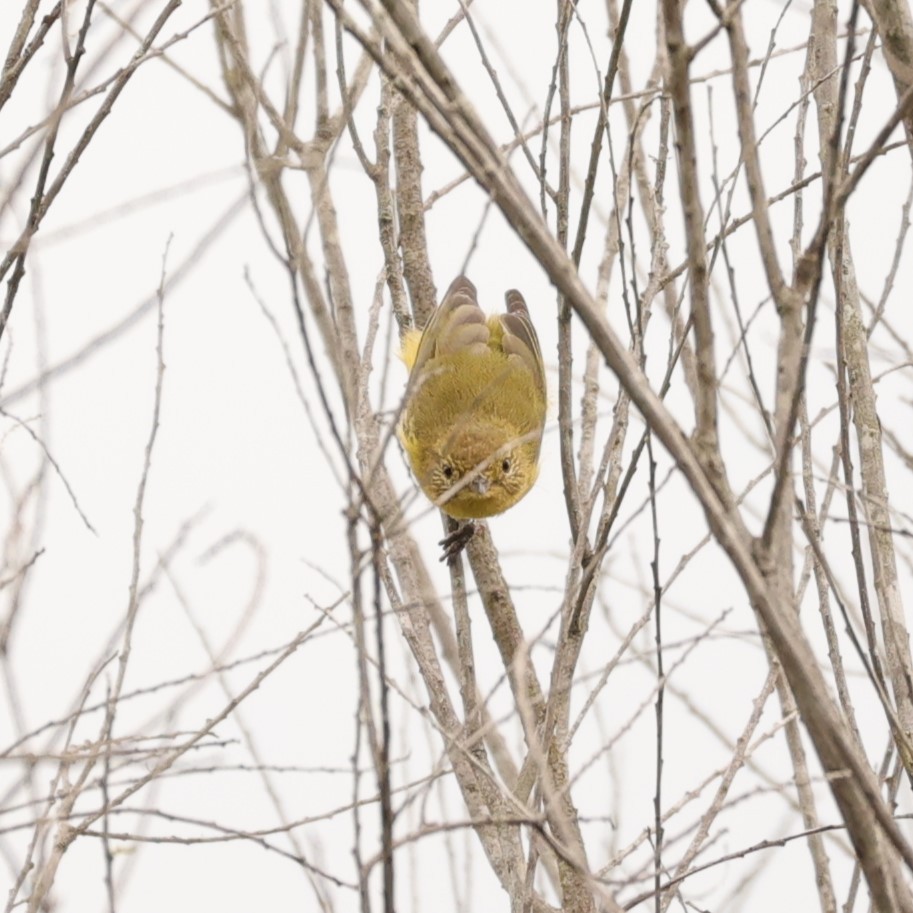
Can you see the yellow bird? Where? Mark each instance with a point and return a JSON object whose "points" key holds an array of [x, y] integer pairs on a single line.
{"points": [[475, 408]]}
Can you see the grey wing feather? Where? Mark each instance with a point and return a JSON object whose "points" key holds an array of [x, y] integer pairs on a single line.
{"points": [[520, 339], [456, 324]]}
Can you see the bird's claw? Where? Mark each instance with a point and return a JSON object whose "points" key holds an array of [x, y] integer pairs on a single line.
{"points": [[457, 541]]}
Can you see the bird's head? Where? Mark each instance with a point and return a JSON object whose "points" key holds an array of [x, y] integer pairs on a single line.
{"points": [[480, 470]]}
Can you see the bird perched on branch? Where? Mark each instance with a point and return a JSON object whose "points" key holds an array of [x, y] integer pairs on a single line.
{"points": [[475, 408]]}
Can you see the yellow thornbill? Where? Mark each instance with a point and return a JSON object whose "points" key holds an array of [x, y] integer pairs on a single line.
{"points": [[475, 409]]}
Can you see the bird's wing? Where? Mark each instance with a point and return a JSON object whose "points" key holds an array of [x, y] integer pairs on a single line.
{"points": [[457, 324], [519, 337]]}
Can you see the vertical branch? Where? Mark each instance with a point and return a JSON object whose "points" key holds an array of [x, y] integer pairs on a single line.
{"points": [[810, 517], [785, 299], [138, 508], [894, 23], [410, 209], [776, 547], [706, 438], [562, 215], [543, 737], [386, 209], [790, 376], [853, 351], [383, 769], [343, 307], [246, 94], [379, 173], [658, 867], [600, 132], [378, 741]]}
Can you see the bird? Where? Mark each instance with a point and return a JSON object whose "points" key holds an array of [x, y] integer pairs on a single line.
{"points": [[475, 407]]}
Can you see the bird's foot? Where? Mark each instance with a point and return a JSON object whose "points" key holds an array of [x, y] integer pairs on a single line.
{"points": [[457, 541]]}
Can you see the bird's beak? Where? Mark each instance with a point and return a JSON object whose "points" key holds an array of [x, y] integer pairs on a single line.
{"points": [[480, 485]]}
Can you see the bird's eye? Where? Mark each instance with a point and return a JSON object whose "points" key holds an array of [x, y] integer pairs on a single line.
{"points": [[505, 465], [447, 469]]}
